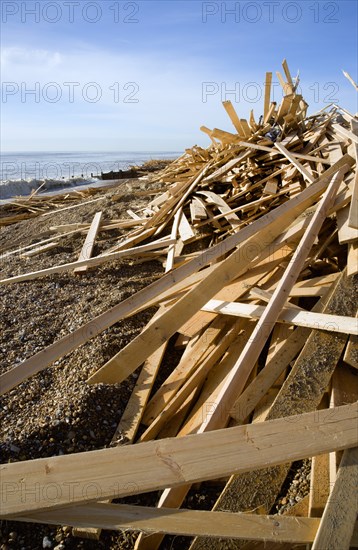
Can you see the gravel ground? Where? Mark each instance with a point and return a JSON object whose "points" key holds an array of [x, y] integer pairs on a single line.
{"points": [[55, 412]]}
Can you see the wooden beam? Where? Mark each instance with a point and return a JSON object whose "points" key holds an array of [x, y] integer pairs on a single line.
{"points": [[353, 213], [268, 82], [229, 108], [301, 318], [339, 517], [134, 469], [183, 522]]}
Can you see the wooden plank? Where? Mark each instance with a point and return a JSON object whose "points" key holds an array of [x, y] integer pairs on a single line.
{"points": [[173, 235], [109, 473], [135, 303], [353, 214], [305, 173], [183, 522], [352, 259], [346, 234], [320, 487], [197, 210], [344, 391], [91, 262], [229, 108], [287, 73], [337, 524], [224, 208], [185, 230], [340, 130], [40, 249], [88, 245], [57, 210], [292, 315], [268, 82], [351, 353]]}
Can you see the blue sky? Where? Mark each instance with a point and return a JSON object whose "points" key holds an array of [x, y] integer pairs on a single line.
{"points": [[145, 75]]}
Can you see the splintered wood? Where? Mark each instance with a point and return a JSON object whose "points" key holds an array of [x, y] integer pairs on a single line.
{"points": [[258, 238]]}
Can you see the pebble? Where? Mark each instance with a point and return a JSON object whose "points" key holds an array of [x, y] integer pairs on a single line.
{"points": [[46, 543]]}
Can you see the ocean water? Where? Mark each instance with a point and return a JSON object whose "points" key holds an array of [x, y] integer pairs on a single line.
{"points": [[21, 173]]}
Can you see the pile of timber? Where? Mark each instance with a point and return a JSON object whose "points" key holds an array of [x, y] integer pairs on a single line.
{"points": [[258, 236]]}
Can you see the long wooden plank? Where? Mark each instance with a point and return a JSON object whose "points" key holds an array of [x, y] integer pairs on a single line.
{"points": [[130, 357], [88, 245], [183, 522], [140, 300], [353, 214], [90, 262], [337, 524], [134, 469], [318, 321]]}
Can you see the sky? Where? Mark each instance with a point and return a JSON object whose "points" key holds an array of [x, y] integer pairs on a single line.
{"points": [[108, 75]]}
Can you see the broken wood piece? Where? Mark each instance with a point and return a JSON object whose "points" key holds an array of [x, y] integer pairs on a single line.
{"points": [[40, 249], [88, 246]]}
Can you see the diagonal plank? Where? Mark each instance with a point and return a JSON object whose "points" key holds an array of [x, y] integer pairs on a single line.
{"points": [[338, 520]]}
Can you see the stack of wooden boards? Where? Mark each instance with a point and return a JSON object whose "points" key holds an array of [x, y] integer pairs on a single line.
{"points": [[258, 235]]}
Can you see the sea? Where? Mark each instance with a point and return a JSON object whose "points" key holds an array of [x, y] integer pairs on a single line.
{"points": [[21, 173]]}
